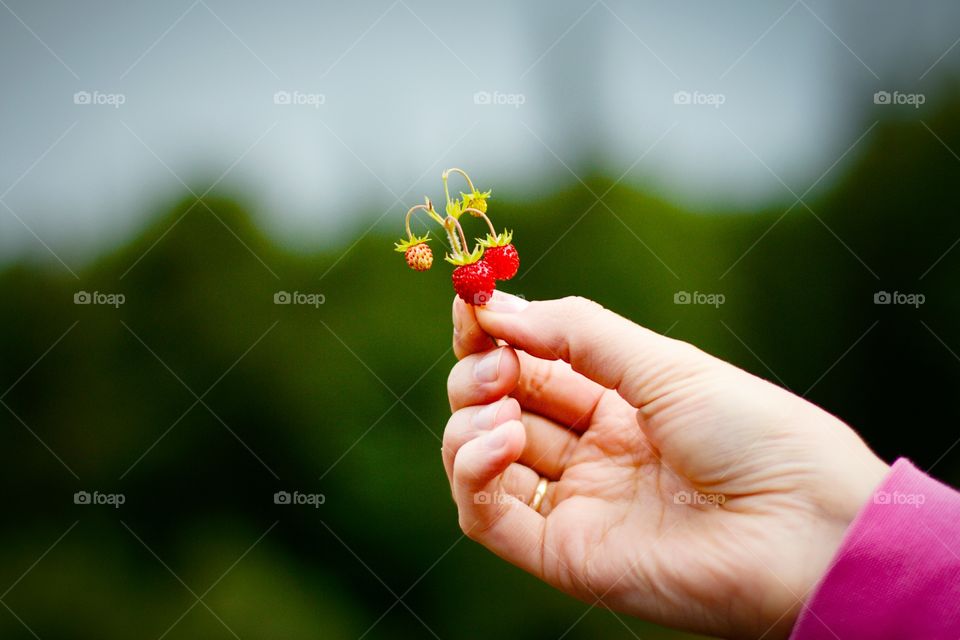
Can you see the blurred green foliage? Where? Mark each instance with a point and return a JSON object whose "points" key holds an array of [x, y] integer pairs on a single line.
{"points": [[199, 397]]}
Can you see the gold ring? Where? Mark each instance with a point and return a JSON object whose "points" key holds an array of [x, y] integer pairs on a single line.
{"points": [[538, 494]]}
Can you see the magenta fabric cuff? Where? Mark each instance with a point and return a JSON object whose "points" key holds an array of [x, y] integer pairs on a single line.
{"points": [[897, 572]]}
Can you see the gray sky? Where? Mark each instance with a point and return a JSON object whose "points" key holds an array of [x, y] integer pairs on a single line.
{"points": [[377, 98]]}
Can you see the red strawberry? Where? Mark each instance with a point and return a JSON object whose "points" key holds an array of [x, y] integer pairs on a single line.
{"points": [[419, 257], [503, 260], [474, 282], [501, 254]]}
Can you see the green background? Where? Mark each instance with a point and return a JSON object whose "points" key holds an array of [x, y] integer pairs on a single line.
{"points": [[348, 399]]}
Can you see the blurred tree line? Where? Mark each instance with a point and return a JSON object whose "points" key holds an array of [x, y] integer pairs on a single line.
{"points": [[199, 398]]}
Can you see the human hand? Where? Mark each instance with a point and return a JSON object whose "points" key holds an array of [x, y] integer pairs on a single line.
{"points": [[682, 489]]}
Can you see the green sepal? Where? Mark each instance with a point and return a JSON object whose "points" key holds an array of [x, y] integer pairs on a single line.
{"points": [[403, 245], [467, 258], [455, 209], [475, 200], [501, 239], [476, 195]]}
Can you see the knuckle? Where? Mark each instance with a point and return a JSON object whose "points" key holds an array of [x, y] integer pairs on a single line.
{"points": [[578, 308], [477, 528], [465, 525], [579, 312], [451, 383], [583, 305], [455, 381], [472, 529], [449, 432], [458, 431], [539, 377]]}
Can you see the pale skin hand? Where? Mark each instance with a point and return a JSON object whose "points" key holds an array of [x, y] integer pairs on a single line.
{"points": [[642, 437]]}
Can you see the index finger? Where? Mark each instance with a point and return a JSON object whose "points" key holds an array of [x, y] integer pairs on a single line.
{"points": [[597, 343]]}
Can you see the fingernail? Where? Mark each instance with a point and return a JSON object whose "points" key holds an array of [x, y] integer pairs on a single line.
{"points": [[495, 440], [502, 302], [483, 419], [456, 320], [488, 368]]}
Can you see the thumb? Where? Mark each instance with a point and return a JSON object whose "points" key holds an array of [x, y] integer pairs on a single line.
{"points": [[598, 343]]}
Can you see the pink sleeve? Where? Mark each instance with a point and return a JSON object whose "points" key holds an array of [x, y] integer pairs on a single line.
{"points": [[897, 572]]}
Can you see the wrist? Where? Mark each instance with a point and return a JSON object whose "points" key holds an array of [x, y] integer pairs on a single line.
{"points": [[845, 496], [878, 586]]}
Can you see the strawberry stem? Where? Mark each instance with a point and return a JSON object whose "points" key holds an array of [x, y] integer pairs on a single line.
{"points": [[429, 209], [458, 239], [455, 223], [447, 224], [481, 214], [465, 176], [446, 174]]}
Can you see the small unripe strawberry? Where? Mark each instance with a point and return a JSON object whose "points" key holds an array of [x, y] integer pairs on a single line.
{"points": [[479, 204], [474, 282], [476, 200], [419, 257]]}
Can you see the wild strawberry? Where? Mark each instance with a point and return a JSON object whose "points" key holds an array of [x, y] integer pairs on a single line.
{"points": [[501, 255], [475, 200], [477, 269], [504, 261], [418, 255], [473, 281]]}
